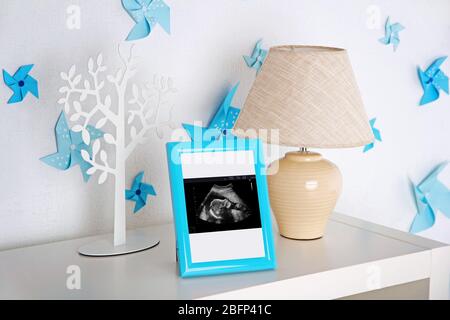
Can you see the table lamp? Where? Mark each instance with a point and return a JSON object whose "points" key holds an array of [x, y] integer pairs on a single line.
{"points": [[309, 94]]}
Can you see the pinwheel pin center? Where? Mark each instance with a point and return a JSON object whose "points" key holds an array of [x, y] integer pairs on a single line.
{"points": [[21, 83], [138, 192], [433, 80]]}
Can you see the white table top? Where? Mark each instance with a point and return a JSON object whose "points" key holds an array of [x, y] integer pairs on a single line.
{"points": [[354, 256]]}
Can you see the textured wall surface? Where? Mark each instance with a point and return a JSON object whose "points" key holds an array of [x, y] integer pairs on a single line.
{"points": [[203, 56]]}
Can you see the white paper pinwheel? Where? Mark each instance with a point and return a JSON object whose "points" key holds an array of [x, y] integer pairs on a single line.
{"points": [[21, 83], [376, 134]]}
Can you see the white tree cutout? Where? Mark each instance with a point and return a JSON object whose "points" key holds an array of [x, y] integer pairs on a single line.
{"points": [[143, 117]]}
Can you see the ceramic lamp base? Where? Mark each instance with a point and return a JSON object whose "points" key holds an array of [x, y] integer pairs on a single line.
{"points": [[137, 240], [303, 190]]}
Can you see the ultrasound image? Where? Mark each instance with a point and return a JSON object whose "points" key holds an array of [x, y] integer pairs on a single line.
{"points": [[222, 203]]}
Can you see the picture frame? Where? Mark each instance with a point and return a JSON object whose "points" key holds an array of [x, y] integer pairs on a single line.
{"points": [[221, 207]]}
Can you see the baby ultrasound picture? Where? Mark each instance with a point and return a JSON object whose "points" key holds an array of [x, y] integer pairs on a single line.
{"points": [[222, 203]]}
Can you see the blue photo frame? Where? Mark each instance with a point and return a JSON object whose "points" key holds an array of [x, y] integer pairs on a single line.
{"points": [[187, 266]]}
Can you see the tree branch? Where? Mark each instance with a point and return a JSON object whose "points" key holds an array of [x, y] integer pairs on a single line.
{"points": [[100, 106], [144, 118], [140, 136]]}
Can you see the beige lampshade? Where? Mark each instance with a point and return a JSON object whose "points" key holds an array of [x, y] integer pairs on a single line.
{"points": [[310, 95]]}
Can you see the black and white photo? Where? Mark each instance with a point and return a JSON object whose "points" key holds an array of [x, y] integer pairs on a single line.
{"points": [[222, 203]]}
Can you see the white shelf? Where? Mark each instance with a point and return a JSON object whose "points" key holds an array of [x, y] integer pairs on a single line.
{"points": [[353, 257]]}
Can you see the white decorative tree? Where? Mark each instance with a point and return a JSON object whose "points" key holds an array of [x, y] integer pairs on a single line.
{"points": [[143, 117]]}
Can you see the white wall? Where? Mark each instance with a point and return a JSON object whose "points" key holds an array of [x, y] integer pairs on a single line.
{"points": [[203, 55]]}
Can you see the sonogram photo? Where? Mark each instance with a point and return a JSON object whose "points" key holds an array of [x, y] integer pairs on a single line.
{"points": [[222, 203]]}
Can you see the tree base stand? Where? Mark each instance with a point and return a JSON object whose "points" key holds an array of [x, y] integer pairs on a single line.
{"points": [[137, 240]]}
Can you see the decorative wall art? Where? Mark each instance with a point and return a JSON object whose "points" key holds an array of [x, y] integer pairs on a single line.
{"points": [[21, 83], [433, 80], [431, 196], [376, 133], [257, 58], [147, 14], [221, 124], [139, 192], [391, 35], [70, 145]]}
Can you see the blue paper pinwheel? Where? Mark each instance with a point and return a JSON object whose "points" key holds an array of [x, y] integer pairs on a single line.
{"points": [[223, 120], [431, 196], [376, 134], [391, 34], [257, 58], [21, 83], [70, 144], [433, 80], [146, 14], [139, 192]]}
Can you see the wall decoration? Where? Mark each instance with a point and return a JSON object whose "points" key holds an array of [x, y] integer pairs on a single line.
{"points": [[223, 121], [139, 192], [146, 14], [144, 117], [21, 83], [433, 80], [257, 58], [70, 144], [391, 34], [376, 134], [431, 195]]}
